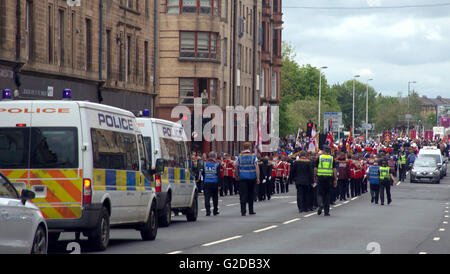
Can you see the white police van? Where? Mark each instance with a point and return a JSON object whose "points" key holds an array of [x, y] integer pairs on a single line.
{"points": [[86, 162], [175, 187]]}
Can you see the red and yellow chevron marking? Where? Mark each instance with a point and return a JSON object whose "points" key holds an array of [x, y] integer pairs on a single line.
{"points": [[64, 194], [64, 190]]}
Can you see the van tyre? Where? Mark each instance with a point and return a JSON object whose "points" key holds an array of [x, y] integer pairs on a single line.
{"points": [[99, 236], [166, 218], [192, 212], [150, 229]]}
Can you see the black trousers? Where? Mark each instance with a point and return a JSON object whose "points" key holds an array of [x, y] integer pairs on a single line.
{"points": [[262, 188], [246, 194], [385, 185], [325, 188], [279, 185], [375, 192], [221, 184], [403, 173], [236, 186], [228, 185], [269, 188], [353, 187], [304, 197], [211, 191], [343, 188]]}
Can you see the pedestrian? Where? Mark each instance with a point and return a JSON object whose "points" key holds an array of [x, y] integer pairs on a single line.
{"points": [[303, 175], [372, 174], [235, 182], [264, 177], [354, 170], [385, 182], [247, 169], [228, 175], [325, 173], [403, 166], [221, 177], [343, 176], [211, 175]]}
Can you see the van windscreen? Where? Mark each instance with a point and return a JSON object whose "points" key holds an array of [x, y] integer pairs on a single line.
{"points": [[51, 148]]}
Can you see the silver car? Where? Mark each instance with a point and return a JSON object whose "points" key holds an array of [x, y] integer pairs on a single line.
{"points": [[425, 170], [22, 227]]}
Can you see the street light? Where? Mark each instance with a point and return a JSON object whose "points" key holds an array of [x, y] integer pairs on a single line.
{"points": [[367, 108], [409, 112], [353, 111], [320, 92]]}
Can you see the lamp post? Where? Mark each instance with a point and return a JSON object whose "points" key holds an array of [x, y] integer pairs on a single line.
{"points": [[409, 112], [320, 94], [367, 109], [353, 110]]}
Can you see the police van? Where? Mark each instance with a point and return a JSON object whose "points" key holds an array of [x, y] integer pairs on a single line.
{"points": [[175, 188], [86, 163]]}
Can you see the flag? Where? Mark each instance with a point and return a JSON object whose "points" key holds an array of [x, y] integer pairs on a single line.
{"points": [[312, 140], [330, 139], [259, 139]]}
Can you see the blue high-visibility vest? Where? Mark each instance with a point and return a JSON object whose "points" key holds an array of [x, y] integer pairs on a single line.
{"points": [[211, 172], [374, 177], [247, 168]]}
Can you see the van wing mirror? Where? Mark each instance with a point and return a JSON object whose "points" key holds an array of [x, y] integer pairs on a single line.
{"points": [[159, 166]]}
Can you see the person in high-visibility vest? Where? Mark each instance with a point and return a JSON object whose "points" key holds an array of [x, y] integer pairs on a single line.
{"points": [[211, 174], [403, 166], [385, 182], [247, 169], [326, 177]]}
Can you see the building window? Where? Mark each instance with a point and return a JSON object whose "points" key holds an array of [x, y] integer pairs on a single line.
{"points": [[128, 59], [274, 85], [61, 37], [108, 54], [88, 45], [50, 34], [207, 7], [191, 88], [29, 30], [198, 45], [146, 63], [263, 81], [275, 43], [225, 51]]}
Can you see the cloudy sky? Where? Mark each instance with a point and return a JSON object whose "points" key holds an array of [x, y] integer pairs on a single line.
{"points": [[391, 45]]}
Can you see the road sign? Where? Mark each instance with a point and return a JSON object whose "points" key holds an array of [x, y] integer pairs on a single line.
{"points": [[336, 117], [368, 126]]}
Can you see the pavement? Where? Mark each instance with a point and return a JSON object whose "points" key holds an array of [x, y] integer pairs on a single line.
{"points": [[415, 223]]}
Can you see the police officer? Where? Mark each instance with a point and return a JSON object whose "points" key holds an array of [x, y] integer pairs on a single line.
{"points": [[385, 182], [326, 176], [248, 171], [403, 166], [372, 173], [211, 174]]}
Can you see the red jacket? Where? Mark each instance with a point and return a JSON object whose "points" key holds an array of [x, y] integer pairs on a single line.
{"points": [[229, 168], [344, 170], [355, 169], [287, 169], [280, 169]]}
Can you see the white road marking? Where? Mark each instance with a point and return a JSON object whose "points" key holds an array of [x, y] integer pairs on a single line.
{"points": [[422, 253], [346, 202], [203, 210], [442, 229], [174, 252], [338, 205], [445, 222], [281, 197], [309, 215], [233, 204], [222, 241], [291, 221], [446, 211], [294, 202], [436, 239], [265, 229], [446, 216], [354, 198]]}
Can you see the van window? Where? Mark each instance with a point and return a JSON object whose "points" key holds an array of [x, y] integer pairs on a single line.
{"points": [[114, 150], [54, 148], [171, 153], [14, 148], [50, 148], [148, 147]]}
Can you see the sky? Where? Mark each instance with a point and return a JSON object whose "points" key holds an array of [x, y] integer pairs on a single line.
{"points": [[393, 46]]}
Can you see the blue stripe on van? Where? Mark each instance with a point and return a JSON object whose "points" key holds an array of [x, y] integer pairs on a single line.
{"points": [[171, 175], [182, 175], [131, 181], [110, 179]]}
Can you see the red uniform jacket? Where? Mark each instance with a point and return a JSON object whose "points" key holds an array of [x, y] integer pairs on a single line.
{"points": [[280, 169]]}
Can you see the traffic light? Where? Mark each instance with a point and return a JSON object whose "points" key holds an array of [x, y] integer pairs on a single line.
{"points": [[309, 127]]}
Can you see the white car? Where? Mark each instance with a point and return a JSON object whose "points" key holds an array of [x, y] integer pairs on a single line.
{"points": [[433, 152], [23, 228]]}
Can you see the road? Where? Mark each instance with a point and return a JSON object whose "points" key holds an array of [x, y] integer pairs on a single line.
{"points": [[416, 222]]}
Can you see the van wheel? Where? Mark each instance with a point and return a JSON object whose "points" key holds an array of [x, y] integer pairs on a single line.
{"points": [[150, 229], [166, 218], [99, 236], [192, 212]]}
